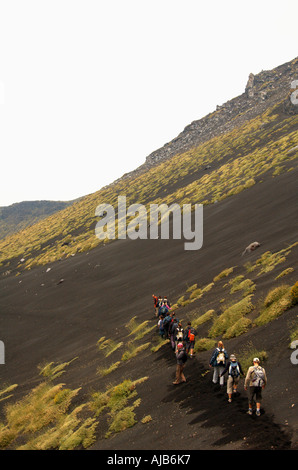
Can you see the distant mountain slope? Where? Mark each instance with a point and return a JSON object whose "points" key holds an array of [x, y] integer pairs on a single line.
{"points": [[20, 215]]}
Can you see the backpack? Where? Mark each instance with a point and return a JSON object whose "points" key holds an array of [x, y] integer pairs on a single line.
{"points": [[220, 357], [234, 370], [163, 310], [259, 377], [167, 321], [183, 357], [191, 335], [179, 334]]}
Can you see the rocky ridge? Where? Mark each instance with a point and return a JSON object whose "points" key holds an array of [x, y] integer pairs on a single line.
{"points": [[262, 91]]}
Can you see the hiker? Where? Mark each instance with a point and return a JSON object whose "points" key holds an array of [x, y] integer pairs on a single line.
{"points": [[172, 330], [179, 334], [162, 308], [218, 361], [160, 326], [155, 300], [159, 302], [189, 338], [255, 381], [166, 324], [234, 370], [181, 357], [166, 302]]}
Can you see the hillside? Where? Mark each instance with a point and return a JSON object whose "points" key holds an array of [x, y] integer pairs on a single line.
{"points": [[19, 216], [254, 144], [84, 364]]}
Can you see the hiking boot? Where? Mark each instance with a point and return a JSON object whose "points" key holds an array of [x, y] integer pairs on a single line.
{"points": [[249, 411], [230, 400], [176, 383], [258, 412]]}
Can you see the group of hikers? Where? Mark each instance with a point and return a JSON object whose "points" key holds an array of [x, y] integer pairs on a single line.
{"points": [[182, 342]]}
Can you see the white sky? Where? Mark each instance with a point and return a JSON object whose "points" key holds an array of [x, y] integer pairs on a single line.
{"points": [[88, 88]]}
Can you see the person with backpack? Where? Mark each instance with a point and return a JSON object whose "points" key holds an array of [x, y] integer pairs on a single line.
{"points": [[181, 357], [172, 330], [218, 362], [166, 302], [155, 300], [161, 327], [189, 338], [179, 335], [255, 381], [234, 370], [162, 309], [166, 324]]}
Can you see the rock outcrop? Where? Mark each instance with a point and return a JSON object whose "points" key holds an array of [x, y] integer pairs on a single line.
{"points": [[262, 91]]}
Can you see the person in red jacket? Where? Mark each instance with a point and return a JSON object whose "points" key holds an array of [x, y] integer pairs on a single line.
{"points": [[155, 300]]}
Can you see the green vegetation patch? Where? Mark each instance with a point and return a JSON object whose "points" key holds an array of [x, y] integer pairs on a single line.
{"points": [[197, 321], [248, 353], [42, 419], [223, 274], [204, 344], [108, 346], [224, 324], [115, 401], [133, 350], [285, 272], [277, 301]]}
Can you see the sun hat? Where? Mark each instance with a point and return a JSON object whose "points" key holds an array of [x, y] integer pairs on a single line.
{"points": [[256, 359]]}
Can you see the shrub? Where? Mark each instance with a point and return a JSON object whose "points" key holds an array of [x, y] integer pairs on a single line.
{"points": [[247, 354], [146, 419], [277, 301], [284, 273], [123, 419], [204, 344], [5, 391], [224, 273], [102, 371], [203, 318], [180, 300], [294, 334], [115, 400], [208, 287], [161, 342], [268, 261], [275, 294], [132, 351], [241, 326], [51, 371], [294, 293], [239, 283], [191, 288], [230, 316], [43, 408], [197, 293], [235, 283], [108, 346]]}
